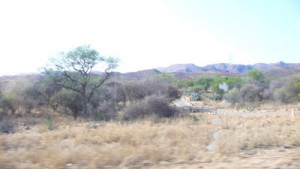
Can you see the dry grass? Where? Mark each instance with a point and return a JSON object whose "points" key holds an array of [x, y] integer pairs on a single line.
{"points": [[147, 144], [247, 133]]}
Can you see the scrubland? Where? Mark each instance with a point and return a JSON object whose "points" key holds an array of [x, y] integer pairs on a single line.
{"points": [[70, 117], [226, 138]]}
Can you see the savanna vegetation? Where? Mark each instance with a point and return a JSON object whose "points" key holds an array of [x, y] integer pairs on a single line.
{"points": [[71, 116], [249, 90]]}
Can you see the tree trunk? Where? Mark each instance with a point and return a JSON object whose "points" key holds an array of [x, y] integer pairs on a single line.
{"points": [[85, 112], [75, 115], [85, 109]]}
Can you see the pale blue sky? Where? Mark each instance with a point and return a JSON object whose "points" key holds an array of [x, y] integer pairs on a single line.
{"points": [[149, 33]]}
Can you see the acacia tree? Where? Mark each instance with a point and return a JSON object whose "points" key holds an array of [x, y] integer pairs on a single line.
{"points": [[258, 78], [74, 71]]}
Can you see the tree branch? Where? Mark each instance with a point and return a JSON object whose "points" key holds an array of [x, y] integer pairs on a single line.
{"points": [[69, 77], [101, 81], [68, 87]]}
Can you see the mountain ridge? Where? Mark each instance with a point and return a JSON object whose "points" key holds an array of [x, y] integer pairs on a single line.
{"points": [[232, 69], [190, 71]]}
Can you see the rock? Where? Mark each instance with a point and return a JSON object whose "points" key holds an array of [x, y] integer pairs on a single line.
{"points": [[69, 164]]}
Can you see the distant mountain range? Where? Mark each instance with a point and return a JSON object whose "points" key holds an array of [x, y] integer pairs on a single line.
{"points": [[188, 71], [233, 69]]}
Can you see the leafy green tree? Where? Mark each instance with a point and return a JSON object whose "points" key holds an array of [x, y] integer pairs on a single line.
{"points": [[220, 85], [257, 77], [73, 70], [215, 85], [294, 88], [234, 82], [204, 83]]}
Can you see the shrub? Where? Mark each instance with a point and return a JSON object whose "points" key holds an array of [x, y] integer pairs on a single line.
{"points": [[69, 101], [195, 89], [171, 92], [115, 91], [273, 86], [251, 93], [32, 97], [283, 90], [281, 95], [139, 90], [108, 100], [137, 110], [135, 91], [204, 83], [152, 105], [216, 96], [196, 96], [7, 126], [294, 88], [233, 96], [8, 104]]}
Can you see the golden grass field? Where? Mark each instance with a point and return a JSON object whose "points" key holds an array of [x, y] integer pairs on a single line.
{"points": [[265, 138]]}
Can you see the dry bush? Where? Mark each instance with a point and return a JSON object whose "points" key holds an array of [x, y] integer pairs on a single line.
{"points": [[21, 95], [7, 125], [8, 105], [281, 95], [33, 97], [136, 91], [251, 94], [152, 105], [108, 100], [233, 96]]}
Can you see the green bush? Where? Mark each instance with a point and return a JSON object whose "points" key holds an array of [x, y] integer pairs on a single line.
{"points": [[258, 78], [294, 88], [216, 96], [195, 89], [221, 85], [196, 96]]}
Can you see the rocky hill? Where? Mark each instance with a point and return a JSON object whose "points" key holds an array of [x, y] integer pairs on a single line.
{"points": [[184, 68], [234, 69], [139, 75]]}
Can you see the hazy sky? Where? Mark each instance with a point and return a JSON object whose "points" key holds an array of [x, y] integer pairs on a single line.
{"points": [[149, 33]]}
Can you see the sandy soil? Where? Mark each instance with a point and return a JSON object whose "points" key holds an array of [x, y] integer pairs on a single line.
{"points": [[277, 158]]}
